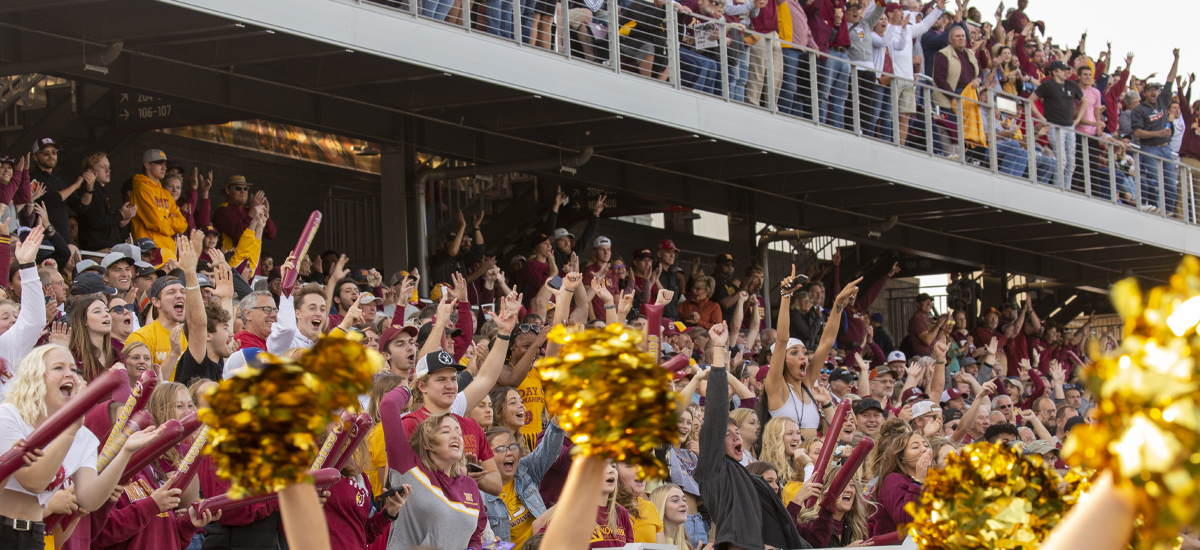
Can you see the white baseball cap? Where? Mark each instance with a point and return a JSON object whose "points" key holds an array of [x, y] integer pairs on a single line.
{"points": [[897, 355], [923, 408], [601, 241], [562, 232], [239, 361], [435, 361]]}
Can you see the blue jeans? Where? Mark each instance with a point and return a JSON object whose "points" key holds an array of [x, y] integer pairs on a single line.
{"points": [[500, 18], [697, 530], [791, 101], [1150, 170], [527, 13], [1012, 157], [739, 73], [436, 9], [197, 540], [1063, 141], [835, 88], [698, 72]]}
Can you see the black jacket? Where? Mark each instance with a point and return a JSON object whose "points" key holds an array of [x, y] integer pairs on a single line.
{"points": [[56, 207], [100, 222]]}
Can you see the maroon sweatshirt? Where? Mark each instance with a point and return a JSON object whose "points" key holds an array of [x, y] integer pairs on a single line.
{"points": [[211, 486], [136, 522], [348, 513], [1191, 135]]}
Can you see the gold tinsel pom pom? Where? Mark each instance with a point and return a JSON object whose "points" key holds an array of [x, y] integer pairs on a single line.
{"points": [[263, 423], [1147, 430], [611, 397], [988, 497]]}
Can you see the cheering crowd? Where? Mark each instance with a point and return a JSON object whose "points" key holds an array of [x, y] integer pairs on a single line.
{"points": [[463, 452]]}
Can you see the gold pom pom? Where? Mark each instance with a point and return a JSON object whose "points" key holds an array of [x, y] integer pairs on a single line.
{"points": [[1147, 430], [989, 496], [611, 397], [263, 423]]}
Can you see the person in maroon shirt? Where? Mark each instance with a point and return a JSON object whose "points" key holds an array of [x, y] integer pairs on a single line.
{"points": [[538, 268], [1018, 333], [856, 317], [766, 23], [232, 217], [923, 330], [825, 19], [601, 267], [348, 508], [988, 329], [1189, 149]]}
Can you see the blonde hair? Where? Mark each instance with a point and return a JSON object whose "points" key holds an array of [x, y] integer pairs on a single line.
{"points": [[28, 390], [856, 518], [740, 416], [161, 407], [773, 450], [610, 507], [422, 439], [659, 498], [384, 383]]}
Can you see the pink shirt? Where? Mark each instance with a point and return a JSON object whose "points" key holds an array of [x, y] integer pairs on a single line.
{"points": [[1091, 98]]}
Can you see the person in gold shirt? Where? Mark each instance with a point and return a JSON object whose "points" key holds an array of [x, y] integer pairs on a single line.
{"points": [[511, 514], [158, 217], [167, 295]]}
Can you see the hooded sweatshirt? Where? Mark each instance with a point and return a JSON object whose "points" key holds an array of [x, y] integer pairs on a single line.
{"points": [[136, 522], [158, 217]]}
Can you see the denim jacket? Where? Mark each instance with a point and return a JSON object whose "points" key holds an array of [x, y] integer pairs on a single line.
{"points": [[530, 471]]}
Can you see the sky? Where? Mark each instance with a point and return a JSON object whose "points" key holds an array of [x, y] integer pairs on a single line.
{"points": [[1149, 33]]}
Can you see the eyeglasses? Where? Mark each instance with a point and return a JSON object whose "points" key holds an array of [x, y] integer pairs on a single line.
{"points": [[265, 309], [128, 308], [503, 449], [619, 266], [523, 328], [241, 188]]}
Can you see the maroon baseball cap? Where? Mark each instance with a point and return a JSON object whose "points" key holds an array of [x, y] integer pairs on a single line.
{"points": [[392, 332], [668, 244], [762, 373], [912, 394], [642, 253], [892, 6], [671, 328], [44, 143], [950, 395]]}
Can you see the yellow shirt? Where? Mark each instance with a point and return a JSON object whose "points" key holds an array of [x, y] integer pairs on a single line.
{"points": [[790, 491], [535, 402], [649, 525], [378, 450], [520, 521], [158, 216], [158, 339]]}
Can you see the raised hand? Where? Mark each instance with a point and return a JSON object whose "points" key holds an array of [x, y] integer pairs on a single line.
{"points": [[664, 297], [460, 287], [895, 269], [1056, 371], [177, 339], [601, 290], [39, 189], [572, 281], [43, 219], [599, 205], [222, 280], [846, 295], [354, 315], [462, 220], [625, 304], [445, 309], [992, 345], [719, 334], [477, 218], [27, 250], [186, 254], [60, 333], [507, 318]]}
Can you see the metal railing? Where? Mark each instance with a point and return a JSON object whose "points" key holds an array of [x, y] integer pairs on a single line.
{"points": [[996, 132]]}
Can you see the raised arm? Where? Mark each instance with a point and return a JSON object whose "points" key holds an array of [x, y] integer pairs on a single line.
{"points": [[829, 334], [489, 372], [434, 341], [775, 386], [716, 409], [400, 454], [195, 318], [973, 412]]}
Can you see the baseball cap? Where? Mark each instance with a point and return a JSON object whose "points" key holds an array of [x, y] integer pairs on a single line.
{"points": [[204, 281], [791, 343], [146, 244], [912, 394], [239, 361], [667, 244], [149, 270], [726, 258], [160, 283], [4, 159], [891, 7], [601, 241], [923, 408], [423, 333], [672, 328], [762, 373], [154, 155], [1039, 447], [877, 317], [1072, 422], [562, 232], [538, 238], [1153, 85], [44, 143], [882, 370], [436, 361], [1017, 383], [274, 275], [392, 332], [515, 259], [841, 374], [90, 283], [86, 265], [118, 255], [896, 355], [950, 415], [950, 395], [1057, 66], [864, 405], [236, 180], [368, 298], [966, 362], [210, 230], [358, 274], [642, 253]]}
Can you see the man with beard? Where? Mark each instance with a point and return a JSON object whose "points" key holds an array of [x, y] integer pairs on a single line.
{"points": [[100, 224], [45, 159], [206, 322], [258, 316], [725, 292], [168, 296], [233, 216], [989, 329]]}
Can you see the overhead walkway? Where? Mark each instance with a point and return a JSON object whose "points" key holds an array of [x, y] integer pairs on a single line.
{"points": [[385, 74]]}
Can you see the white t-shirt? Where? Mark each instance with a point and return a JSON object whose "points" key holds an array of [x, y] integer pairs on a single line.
{"points": [[81, 455], [459, 406]]}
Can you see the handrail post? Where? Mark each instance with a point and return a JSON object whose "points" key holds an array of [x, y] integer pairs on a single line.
{"points": [[930, 134], [724, 55], [1031, 143], [814, 85], [1087, 161], [673, 44], [1137, 179], [769, 68], [614, 36], [894, 100], [1162, 187], [564, 27], [1112, 173], [855, 99], [993, 144], [960, 120]]}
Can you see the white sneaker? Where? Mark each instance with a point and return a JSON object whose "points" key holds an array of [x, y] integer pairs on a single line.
{"points": [[1149, 208]]}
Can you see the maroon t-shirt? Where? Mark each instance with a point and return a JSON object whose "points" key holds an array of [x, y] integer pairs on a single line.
{"points": [[604, 537], [474, 441], [533, 277], [610, 282], [917, 325], [348, 513], [247, 339]]}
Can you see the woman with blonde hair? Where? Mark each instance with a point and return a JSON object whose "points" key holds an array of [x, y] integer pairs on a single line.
{"points": [[846, 524], [376, 449], [445, 507], [613, 527], [782, 446], [129, 525], [668, 499], [941, 448], [750, 429], [45, 382]]}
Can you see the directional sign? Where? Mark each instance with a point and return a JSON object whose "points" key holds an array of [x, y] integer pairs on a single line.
{"points": [[138, 111]]}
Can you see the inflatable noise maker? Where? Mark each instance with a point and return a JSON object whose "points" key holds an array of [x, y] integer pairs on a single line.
{"points": [[288, 279], [265, 420], [95, 392]]}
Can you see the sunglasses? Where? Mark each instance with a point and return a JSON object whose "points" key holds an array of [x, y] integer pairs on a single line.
{"points": [[523, 328], [128, 308], [241, 188], [619, 266], [826, 371]]}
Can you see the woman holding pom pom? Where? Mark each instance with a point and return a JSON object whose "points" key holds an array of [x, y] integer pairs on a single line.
{"points": [[46, 382]]}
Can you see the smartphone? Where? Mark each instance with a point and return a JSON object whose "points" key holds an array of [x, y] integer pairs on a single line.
{"points": [[47, 299], [556, 282], [799, 280], [474, 468], [384, 495], [488, 308]]}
